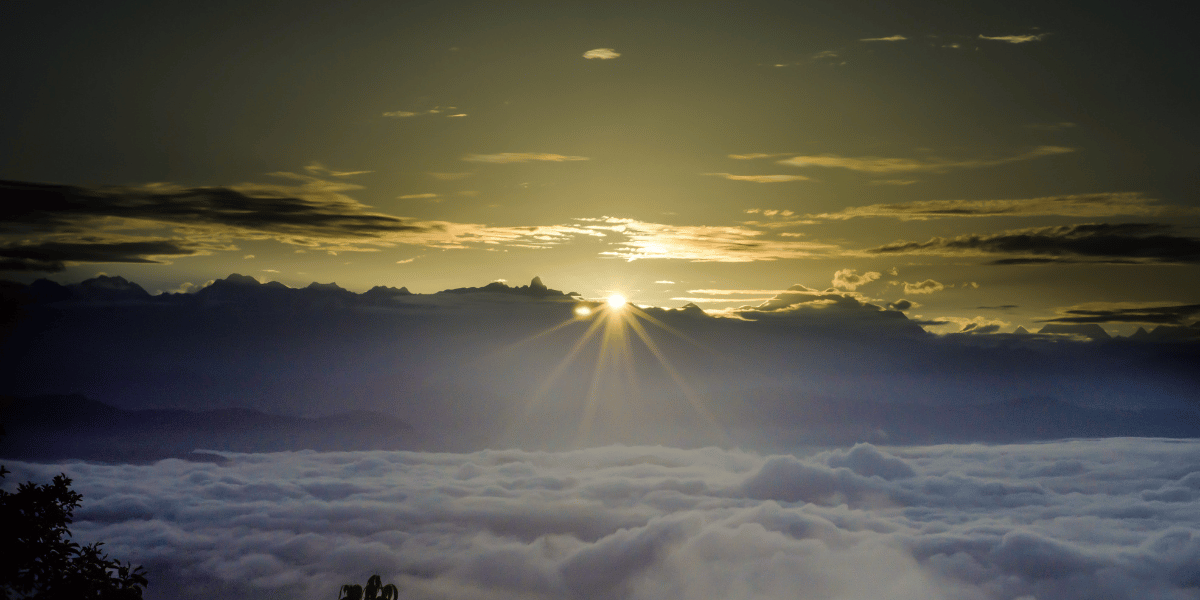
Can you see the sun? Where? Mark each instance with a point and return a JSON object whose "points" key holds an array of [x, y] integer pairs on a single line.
{"points": [[613, 398]]}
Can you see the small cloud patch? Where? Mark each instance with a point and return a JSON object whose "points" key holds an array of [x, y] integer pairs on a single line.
{"points": [[601, 54]]}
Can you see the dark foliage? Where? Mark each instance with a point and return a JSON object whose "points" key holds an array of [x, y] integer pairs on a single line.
{"points": [[375, 590], [40, 562]]}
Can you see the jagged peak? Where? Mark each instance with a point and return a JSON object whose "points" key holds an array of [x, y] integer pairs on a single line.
{"points": [[109, 281], [239, 279], [328, 287], [383, 290]]}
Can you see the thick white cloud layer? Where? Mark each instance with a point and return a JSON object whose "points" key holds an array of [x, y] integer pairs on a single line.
{"points": [[1114, 518]]}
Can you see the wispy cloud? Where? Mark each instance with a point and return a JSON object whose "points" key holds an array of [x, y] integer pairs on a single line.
{"points": [[770, 212], [873, 164], [449, 176], [849, 279], [437, 110], [460, 236], [519, 157], [894, 38], [707, 300], [1014, 39], [928, 286], [756, 155], [761, 178], [1104, 204], [723, 292], [427, 195], [320, 170], [601, 54], [1092, 242]]}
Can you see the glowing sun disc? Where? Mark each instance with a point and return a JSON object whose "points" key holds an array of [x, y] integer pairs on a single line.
{"points": [[616, 301]]}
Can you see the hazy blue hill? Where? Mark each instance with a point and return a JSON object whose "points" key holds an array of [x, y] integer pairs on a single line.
{"points": [[58, 427]]}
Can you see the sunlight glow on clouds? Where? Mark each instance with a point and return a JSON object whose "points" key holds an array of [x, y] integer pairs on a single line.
{"points": [[1014, 39], [699, 243], [601, 53], [894, 38]]}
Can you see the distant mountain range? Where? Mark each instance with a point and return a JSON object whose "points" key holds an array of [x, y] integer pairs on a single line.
{"points": [[517, 366], [52, 428], [247, 292], [45, 428]]}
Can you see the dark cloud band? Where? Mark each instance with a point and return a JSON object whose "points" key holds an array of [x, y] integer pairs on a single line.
{"points": [[51, 256], [1092, 242], [51, 207], [1177, 314]]}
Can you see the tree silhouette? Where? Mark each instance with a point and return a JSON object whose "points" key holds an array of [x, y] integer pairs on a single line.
{"points": [[39, 560], [375, 591]]}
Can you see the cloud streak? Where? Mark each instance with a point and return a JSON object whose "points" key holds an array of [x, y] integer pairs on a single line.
{"points": [[760, 178], [873, 164], [1093, 242], [520, 157], [1014, 39], [1080, 205]]}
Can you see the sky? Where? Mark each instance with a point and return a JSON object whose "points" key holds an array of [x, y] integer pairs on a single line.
{"points": [[999, 164], [909, 295]]}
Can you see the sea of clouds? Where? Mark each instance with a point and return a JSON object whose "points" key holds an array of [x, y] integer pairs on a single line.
{"points": [[1083, 519]]}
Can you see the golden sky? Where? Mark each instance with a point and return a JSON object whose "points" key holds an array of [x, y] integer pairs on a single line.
{"points": [[996, 165]]}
